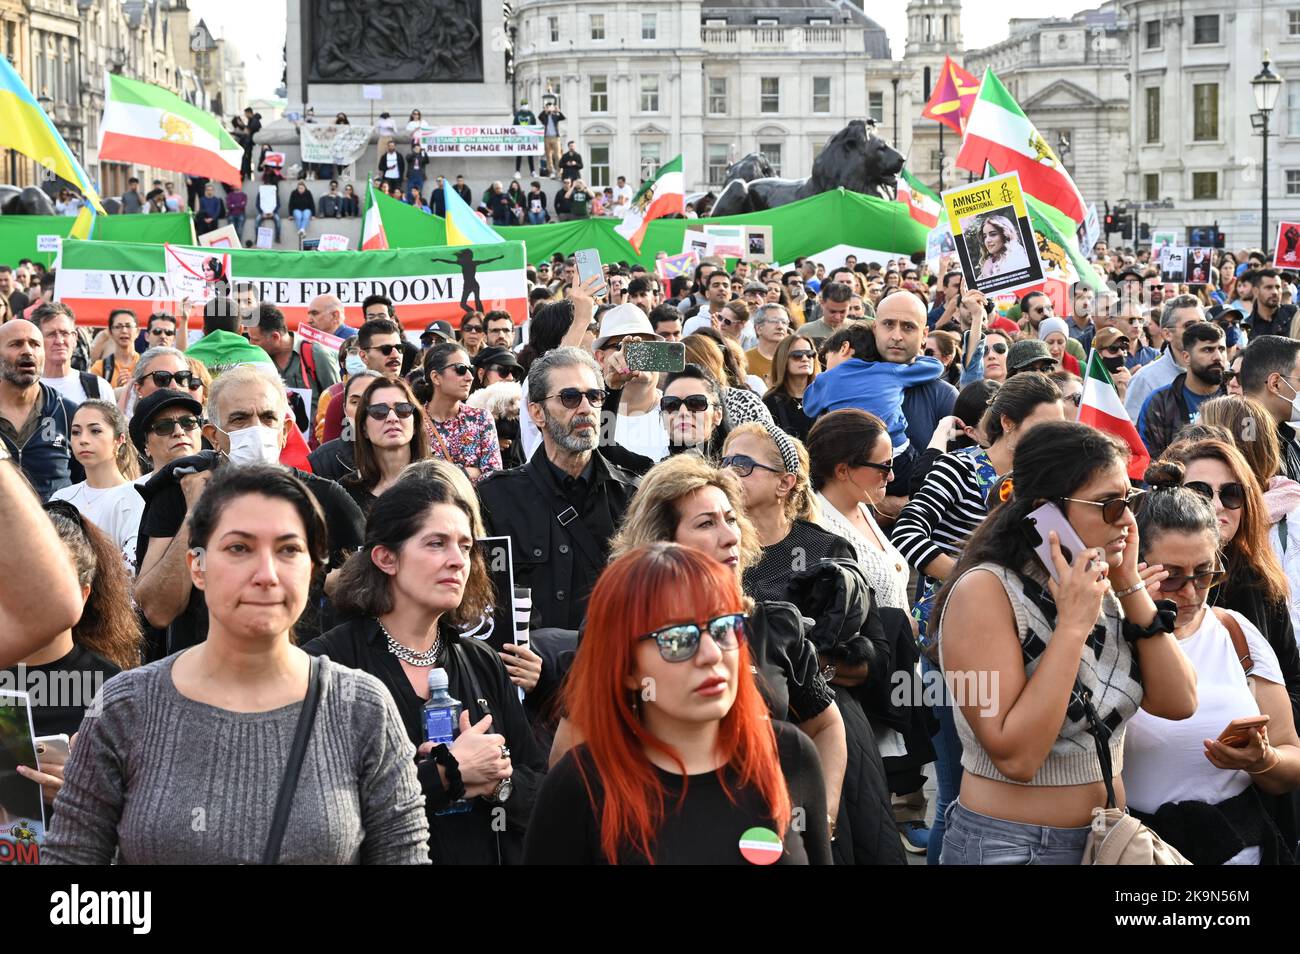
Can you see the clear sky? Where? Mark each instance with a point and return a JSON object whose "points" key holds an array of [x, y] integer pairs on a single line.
{"points": [[260, 39]]}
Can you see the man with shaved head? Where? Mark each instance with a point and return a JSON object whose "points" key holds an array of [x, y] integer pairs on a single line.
{"points": [[325, 313], [35, 420]]}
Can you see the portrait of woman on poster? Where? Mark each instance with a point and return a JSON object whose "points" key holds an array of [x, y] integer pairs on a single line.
{"points": [[1001, 249]]}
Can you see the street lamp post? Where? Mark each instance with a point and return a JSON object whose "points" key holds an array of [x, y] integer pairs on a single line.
{"points": [[1266, 86]]}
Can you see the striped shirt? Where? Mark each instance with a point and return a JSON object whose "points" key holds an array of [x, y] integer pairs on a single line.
{"points": [[944, 512]]}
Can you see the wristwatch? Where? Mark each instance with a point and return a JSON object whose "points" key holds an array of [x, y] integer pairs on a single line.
{"points": [[501, 793]]}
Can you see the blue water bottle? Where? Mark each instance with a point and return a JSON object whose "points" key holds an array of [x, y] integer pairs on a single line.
{"points": [[441, 724]]}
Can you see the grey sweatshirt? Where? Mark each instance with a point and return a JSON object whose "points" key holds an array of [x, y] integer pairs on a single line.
{"points": [[163, 779]]}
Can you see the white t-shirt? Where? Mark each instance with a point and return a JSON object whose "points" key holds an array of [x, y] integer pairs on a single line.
{"points": [[642, 434], [1164, 760], [115, 510], [70, 387]]}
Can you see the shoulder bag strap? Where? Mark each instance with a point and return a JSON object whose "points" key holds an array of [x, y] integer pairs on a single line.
{"points": [[1238, 639], [289, 783], [569, 518], [463, 661], [446, 452], [1100, 737]]}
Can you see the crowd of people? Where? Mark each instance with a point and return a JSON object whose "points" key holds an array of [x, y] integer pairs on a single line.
{"points": [[743, 575]]}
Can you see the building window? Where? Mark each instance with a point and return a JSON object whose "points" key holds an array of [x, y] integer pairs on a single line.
{"points": [[598, 26], [1205, 104], [1152, 33], [876, 106], [598, 170], [821, 94], [717, 96], [1293, 23], [936, 160], [1293, 182], [1205, 28], [1293, 108], [553, 23], [649, 94], [769, 100], [649, 26], [717, 163], [1205, 185], [1153, 114], [1151, 187], [650, 159], [771, 151], [600, 94]]}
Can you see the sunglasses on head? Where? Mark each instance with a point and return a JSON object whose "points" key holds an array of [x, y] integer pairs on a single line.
{"points": [[461, 369], [572, 397], [681, 642], [385, 349], [1232, 494], [167, 425], [695, 403], [1112, 510], [380, 412], [744, 465], [164, 379]]}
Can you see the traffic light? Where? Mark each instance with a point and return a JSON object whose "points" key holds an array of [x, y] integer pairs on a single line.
{"points": [[1145, 232], [1109, 224], [1124, 225]]}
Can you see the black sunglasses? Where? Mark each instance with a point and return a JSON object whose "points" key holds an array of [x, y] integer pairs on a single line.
{"points": [[883, 468], [1201, 581], [164, 379], [380, 412], [505, 370], [1112, 510], [931, 353], [167, 426], [461, 369], [572, 397], [998, 347], [744, 465], [681, 642], [163, 332], [472, 329], [387, 349], [1232, 494], [1076, 399], [802, 353], [695, 403]]}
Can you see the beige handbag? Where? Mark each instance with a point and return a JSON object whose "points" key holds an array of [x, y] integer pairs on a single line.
{"points": [[1116, 837]]}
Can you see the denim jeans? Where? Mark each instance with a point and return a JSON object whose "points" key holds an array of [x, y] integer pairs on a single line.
{"points": [[237, 223], [974, 839], [302, 218], [536, 218], [947, 766]]}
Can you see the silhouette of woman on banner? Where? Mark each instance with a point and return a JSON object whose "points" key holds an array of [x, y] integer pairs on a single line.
{"points": [[468, 276]]}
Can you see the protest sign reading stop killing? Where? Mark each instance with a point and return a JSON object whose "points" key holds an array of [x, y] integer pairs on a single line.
{"points": [[995, 242]]}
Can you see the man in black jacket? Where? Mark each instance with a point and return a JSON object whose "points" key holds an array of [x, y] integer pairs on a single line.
{"points": [[392, 168], [1205, 355], [570, 164], [561, 509]]}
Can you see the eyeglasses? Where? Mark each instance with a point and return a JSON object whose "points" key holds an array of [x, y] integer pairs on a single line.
{"points": [[380, 412], [802, 353], [1232, 494], [385, 350], [164, 379], [163, 332], [681, 642], [744, 465], [167, 425], [931, 353], [572, 397], [461, 369], [1113, 509], [472, 329], [883, 468], [998, 347], [1201, 581], [695, 403], [1046, 366], [122, 328], [728, 322], [1113, 352]]}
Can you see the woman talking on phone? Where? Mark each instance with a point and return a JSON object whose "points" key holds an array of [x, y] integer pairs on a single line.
{"points": [[1054, 654], [1197, 782]]}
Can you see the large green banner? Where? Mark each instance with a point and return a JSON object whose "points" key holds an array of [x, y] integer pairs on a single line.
{"points": [[800, 228], [18, 233]]}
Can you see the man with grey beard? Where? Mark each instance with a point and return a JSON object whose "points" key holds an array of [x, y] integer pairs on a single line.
{"points": [[560, 509], [35, 420]]}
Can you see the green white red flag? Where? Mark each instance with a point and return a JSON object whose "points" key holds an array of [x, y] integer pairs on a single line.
{"points": [[663, 196], [922, 204], [152, 126], [373, 235], [1100, 407]]}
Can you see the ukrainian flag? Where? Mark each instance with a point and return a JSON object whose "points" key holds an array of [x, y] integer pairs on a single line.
{"points": [[85, 224], [463, 226], [25, 128]]}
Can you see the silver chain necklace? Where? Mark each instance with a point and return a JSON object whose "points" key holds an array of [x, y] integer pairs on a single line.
{"points": [[407, 655]]}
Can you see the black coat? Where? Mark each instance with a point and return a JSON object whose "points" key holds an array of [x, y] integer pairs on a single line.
{"points": [[559, 561], [848, 629], [333, 459], [787, 413]]}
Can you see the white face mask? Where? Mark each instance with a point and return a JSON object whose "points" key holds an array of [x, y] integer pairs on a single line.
{"points": [[254, 445], [354, 364]]}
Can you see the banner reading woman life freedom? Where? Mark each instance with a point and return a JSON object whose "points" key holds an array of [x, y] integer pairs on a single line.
{"points": [[990, 226], [425, 284]]}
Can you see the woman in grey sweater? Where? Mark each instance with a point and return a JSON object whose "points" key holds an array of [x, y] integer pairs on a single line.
{"points": [[180, 761]]}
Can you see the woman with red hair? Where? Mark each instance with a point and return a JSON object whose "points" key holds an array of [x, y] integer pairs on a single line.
{"points": [[680, 762]]}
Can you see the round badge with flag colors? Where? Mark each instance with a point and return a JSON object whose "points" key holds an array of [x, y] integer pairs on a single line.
{"points": [[761, 846]]}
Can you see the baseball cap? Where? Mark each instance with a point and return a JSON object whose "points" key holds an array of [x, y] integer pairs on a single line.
{"points": [[1108, 338], [442, 329], [157, 401]]}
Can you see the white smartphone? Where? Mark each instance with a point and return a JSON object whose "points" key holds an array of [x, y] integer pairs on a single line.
{"points": [[1046, 518], [55, 747], [589, 266]]}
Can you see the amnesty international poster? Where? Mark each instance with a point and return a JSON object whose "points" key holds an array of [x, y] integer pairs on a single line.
{"points": [[990, 227]]}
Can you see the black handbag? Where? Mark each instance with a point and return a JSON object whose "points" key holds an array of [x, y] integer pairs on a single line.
{"points": [[293, 768]]}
